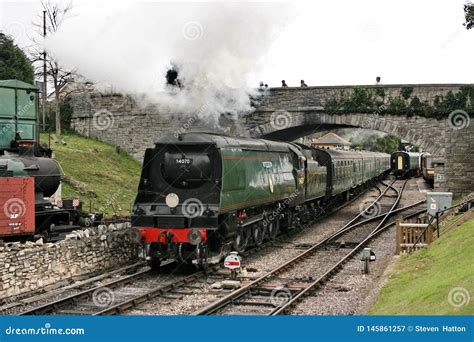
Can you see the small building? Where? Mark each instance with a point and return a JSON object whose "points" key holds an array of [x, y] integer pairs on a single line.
{"points": [[331, 141]]}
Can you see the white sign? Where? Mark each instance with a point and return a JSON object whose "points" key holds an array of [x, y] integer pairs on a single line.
{"points": [[232, 261]]}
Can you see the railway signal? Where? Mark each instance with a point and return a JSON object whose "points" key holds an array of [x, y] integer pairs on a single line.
{"points": [[367, 256], [233, 262]]}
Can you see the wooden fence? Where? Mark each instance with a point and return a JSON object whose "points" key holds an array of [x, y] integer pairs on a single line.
{"points": [[413, 236]]}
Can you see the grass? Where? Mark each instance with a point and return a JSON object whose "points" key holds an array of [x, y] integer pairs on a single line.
{"points": [[96, 173], [421, 282]]}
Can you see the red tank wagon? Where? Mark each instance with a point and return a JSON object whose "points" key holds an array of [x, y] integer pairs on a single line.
{"points": [[17, 206]]}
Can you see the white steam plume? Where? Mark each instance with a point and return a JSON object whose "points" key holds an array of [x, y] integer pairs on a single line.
{"points": [[216, 46]]}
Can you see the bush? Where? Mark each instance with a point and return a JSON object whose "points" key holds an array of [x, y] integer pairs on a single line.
{"points": [[397, 106], [406, 92], [362, 100]]}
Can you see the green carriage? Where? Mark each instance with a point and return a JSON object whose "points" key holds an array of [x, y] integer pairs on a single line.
{"points": [[18, 112]]}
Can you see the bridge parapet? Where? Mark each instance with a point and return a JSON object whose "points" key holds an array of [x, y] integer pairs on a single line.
{"points": [[296, 97]]}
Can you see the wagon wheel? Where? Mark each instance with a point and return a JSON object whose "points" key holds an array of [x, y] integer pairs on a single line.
{"points": [[258, 233], [273, 228], [240, 241], [45, 235]]}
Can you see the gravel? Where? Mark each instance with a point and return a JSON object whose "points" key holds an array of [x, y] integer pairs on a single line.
{"points": [[349, 292]]}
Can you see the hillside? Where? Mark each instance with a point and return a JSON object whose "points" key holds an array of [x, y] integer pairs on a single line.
{"points": [[420, 283], [94, 170]]}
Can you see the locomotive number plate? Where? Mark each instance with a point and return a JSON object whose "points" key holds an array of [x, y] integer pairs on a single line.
{"points": [[183, 161]]}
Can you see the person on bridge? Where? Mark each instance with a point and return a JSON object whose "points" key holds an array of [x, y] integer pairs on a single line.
{"points": [[303, 85], [283, 84], [378, 80]]}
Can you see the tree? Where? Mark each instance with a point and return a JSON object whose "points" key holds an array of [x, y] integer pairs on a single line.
{"points": [[56, 13], [13, 62], [469, 14], [386, 144]]}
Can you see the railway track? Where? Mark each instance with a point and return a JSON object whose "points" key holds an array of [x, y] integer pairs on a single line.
{"points": [[122, 295], [91, 293], [82, 294], [277, 291], [82, 298]]}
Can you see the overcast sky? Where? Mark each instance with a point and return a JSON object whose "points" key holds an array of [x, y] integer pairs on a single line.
{"points": [[340, 42]]}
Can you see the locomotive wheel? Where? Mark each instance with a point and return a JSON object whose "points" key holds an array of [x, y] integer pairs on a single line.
{"points": [[273, 228], [258, 234], [240, 241], [155, 264]]}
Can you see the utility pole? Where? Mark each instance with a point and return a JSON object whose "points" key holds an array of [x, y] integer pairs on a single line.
{"points": [[45, 87]]}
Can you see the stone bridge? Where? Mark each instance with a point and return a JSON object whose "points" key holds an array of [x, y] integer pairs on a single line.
{"points": [[290, 113]]}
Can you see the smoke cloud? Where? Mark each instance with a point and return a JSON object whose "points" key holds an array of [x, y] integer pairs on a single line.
{"points": [[214, 46]]}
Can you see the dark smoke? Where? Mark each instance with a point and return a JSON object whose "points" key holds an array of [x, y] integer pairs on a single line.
{"points": [[172, 77]]}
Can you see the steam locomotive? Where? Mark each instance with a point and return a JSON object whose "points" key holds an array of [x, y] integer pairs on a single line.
{"points": [[202, 195], [28, 174]]}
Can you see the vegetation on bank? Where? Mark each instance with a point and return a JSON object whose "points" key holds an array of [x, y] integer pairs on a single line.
{"points": [[433, 281], [13, 61], [96, 173], [374, 100]]}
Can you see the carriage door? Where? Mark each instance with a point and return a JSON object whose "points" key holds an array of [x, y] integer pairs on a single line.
{"points": [[400, 162]]}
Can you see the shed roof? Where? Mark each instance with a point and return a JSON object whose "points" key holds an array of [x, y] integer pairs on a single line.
{"points": [[332, 139], [17, 84]]}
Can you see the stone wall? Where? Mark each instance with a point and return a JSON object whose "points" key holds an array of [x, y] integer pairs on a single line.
{"points": [[439, 183], [459, 167], [298, 98], [120, 121], [31, 266]]}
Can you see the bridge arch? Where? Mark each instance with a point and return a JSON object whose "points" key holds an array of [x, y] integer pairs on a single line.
{"points": [[428, 133]]}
